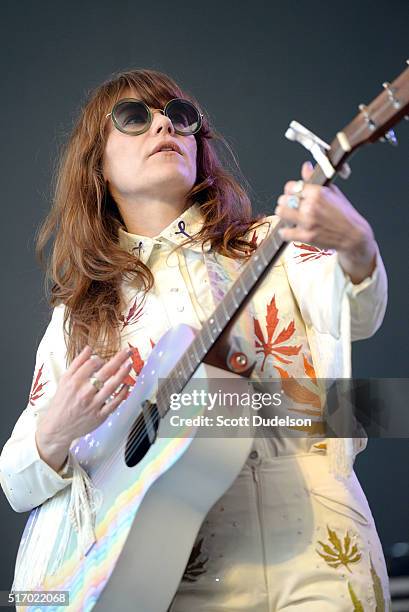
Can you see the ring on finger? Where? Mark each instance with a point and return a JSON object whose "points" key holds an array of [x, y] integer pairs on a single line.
{"points": [[293, 201], [96, 382]]}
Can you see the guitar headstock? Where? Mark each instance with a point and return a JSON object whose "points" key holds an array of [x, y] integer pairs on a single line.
{"points": [[374, 122], [376, 119]]}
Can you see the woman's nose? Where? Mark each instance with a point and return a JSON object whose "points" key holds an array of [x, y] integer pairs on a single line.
{"points": [[161, 122]]}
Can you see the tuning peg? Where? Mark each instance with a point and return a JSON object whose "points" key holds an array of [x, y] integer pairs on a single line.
{"points": [[390, 137], [370, 122], [391, 93]]}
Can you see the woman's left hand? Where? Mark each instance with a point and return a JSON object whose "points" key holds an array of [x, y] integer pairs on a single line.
{"points": [[327, 220]]}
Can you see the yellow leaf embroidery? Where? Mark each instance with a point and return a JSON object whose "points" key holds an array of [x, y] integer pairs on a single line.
{"points": [[377, 589], [357, 603], [338, 554]]}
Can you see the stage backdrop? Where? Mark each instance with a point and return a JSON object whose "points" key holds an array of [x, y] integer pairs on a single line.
{"points": [[254, 67]]}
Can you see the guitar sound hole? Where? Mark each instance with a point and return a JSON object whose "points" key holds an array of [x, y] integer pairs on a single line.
{"points": [[138, 442]]}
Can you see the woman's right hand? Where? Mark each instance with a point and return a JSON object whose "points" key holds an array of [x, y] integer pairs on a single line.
{"points": [[77, 406]]}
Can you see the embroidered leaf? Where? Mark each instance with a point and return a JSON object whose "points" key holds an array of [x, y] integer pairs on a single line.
{"points": [[195, 566], [254, 238], [298, 392], [339, 554], [377, 588], [134, 313], [334, 539], [37, 388], [347, 541], [313, 252], [258, 332], [286, 333], [137, 361], [271, 318], [309, 369], [357, 603], [268, 346], [137, 364]]}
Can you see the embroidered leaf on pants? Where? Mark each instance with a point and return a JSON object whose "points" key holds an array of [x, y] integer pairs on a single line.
{"points": [[357, 603], [195, 567], [339, 554], [377, 589]]}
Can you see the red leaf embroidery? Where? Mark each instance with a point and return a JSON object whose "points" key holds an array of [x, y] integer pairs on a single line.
{"points": [[134, 314], [37, 388], [254, 238], [312, 252], [138, 364], [269, 346]]}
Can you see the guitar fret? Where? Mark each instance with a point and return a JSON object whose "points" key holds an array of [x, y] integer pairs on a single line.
{"points": [[226, 312], [253, 272], [194, 351], [213, 327], [231, 296], [207, 334], [204, 348], [263, 257], [189, 363], [244, 286], [217, 319]]}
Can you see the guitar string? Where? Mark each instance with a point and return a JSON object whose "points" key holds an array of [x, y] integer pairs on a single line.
{"points": [[135, 439]]}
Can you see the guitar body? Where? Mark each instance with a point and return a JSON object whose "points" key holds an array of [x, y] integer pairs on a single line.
{"points": [[151, 511]]}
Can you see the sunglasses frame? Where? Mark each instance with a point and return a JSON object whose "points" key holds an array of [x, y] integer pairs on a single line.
{"points": [[150, 116]]}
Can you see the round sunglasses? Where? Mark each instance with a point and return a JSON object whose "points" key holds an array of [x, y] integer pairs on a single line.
{"points": [[132, 116]]}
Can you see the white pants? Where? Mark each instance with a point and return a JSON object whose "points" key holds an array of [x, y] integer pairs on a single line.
{"points": [[287, 536]]}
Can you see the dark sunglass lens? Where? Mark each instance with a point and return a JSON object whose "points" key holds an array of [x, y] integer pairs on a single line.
{"points": [[184, 116], [131, 116]]}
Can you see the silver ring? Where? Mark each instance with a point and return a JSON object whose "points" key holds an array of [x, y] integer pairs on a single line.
{"points": [[298, 187], [293, 201], [98, 384]]}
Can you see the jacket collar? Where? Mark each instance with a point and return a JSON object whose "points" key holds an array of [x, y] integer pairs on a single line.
{"points": [[186, 225]]}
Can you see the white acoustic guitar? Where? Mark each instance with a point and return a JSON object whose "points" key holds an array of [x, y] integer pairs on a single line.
{"points": [[158, 481]]}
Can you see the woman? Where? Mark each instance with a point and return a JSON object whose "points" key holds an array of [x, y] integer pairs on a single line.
{"points": [[294, 531]]}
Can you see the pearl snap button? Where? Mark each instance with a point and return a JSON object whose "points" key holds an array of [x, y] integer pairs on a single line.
{"points": [[253, 454]]}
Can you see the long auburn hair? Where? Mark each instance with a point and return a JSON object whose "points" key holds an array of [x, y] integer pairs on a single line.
{"points": [[86, 264]]}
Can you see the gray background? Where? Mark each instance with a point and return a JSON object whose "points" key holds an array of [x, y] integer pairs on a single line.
{"points": [[254, 67]]}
